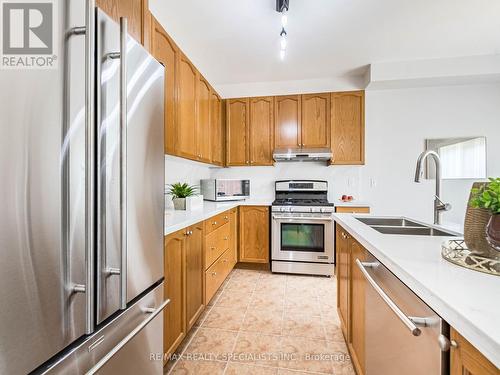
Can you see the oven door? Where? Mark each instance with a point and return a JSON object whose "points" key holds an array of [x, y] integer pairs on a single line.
{"points": [[303, 239]]}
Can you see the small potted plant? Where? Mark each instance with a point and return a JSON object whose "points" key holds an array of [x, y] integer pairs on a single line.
{"points": [[180, 192], [487, 197]]}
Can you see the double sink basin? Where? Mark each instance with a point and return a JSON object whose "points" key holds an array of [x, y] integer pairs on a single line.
{"points": [[403, 226]]}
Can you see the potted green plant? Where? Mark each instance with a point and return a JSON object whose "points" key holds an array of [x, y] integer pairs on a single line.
{"points": [[180, 192], [488, 197]]}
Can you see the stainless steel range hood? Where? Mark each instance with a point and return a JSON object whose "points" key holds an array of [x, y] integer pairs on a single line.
{"points": [[302, 154]]}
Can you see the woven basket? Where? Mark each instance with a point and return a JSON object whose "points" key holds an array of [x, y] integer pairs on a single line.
{"points": [[476, 220]]}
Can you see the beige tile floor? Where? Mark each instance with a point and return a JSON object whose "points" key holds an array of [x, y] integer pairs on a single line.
{"points": [[264, 323]]}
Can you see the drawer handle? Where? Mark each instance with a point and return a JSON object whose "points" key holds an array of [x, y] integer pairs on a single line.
{"points": [[408, 321]]}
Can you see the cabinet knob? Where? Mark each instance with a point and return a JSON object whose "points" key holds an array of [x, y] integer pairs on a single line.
{"points": [[214, 223], [226, 238], [453, 344], [212, 248], [224, 260], [226, 218], [214, 273]]}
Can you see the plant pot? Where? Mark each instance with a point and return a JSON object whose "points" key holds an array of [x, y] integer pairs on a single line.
{"points": [[493, 232], [179, 203]]}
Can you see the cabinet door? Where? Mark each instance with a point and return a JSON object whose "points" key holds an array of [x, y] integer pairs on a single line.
{"points": [[261, 131], [315, 124], [186, 122], [131, 9], [203, 120], [174, 329], [357, 307], [167, 52], [194, 274], [216, 129], [467, 360], [237, 132], [342, 254], [233, 243], [348, 127], [254, 234], [287, 121]]}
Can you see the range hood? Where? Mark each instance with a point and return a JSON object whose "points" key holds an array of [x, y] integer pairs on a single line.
{"points": [[302, 154]]}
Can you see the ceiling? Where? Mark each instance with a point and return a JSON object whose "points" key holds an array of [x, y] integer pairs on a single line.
{"points": [[237, 41]]}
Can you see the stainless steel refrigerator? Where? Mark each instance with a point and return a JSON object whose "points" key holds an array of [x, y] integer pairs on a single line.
{"points": [[81, 204]]}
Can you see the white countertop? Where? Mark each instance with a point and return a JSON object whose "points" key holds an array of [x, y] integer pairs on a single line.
{"points": [[468, 300], [179, 219]]}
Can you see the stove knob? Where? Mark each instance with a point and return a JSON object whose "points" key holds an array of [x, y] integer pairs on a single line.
{"points": [[311, 209], [290, 209], [321, 210], [282, 209]]}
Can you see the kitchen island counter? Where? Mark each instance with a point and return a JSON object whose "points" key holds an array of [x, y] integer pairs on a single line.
{"points": [[466, 299]]}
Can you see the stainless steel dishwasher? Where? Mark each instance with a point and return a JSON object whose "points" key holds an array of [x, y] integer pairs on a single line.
{"points": [[403, 334]]}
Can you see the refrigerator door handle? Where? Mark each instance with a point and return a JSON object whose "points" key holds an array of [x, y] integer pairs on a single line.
{"points": [[123, 159], [153, 313], [89, 158]]}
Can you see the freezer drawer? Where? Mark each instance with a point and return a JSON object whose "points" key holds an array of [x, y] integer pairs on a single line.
{"points": [[132, 343]]}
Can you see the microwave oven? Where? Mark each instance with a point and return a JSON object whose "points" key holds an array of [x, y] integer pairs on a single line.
{"points": [[219, 190]]}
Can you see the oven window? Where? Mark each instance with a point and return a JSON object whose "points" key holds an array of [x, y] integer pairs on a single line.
{"points": [[302, 237]]}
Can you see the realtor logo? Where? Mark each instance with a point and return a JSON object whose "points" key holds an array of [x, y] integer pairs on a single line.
{"points": [[28, 34]]}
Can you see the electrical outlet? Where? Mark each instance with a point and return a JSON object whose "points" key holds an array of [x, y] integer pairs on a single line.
{"points": [[373, 182]]}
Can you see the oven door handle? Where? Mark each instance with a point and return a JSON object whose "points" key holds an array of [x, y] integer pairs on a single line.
{"points": [[302, 218], [408, 322]]}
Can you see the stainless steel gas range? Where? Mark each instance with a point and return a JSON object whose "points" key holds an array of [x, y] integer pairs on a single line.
{"points": [[302, 228]]}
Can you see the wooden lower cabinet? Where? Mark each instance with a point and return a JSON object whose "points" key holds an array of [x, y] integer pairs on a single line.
{"points": [[342, 274], [350, 295], [184, 281], [194, 274], [175, 313], [220, 252], [233, 222], [353, 210], [465, 359], [356, 342], [254, 234]]}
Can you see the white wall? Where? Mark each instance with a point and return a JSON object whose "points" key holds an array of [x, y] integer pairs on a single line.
{"points": [[341, 180], [183, 170], [398, 122]]}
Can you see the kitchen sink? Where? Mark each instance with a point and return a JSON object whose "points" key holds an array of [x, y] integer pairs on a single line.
{"points": [[389, 221], [403, 226], [416, 231]]}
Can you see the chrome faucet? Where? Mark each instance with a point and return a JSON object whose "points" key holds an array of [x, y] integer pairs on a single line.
{"points": [[439, 205]]}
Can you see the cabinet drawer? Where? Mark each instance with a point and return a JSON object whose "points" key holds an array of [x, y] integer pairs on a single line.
{"points": [[217, 273], [216, 243], [216, 222]]}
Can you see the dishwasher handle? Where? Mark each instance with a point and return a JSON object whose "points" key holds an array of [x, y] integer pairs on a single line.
{"points": [[408, 322]]}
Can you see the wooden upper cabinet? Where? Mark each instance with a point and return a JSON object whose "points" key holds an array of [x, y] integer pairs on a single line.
{"points": [[203, 97], [254, 234], [167, 52], [216, 128], [261, 130], [315, 124], [287, 110], [237, 120], [186, 118], [348, 127], [133, 10], [465, 359]]}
